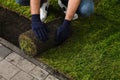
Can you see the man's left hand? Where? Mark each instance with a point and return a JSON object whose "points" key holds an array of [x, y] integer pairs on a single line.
{"points": [[63, 32]]}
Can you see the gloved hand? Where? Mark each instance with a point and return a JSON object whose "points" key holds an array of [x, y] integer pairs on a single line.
{"points": [[63, 32], [39, 28]]}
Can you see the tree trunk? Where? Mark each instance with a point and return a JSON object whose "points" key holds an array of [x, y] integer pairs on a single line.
{"points": [[33, 46]]}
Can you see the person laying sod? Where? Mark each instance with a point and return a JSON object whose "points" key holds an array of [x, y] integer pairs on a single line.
{"points": [[71, 8]]}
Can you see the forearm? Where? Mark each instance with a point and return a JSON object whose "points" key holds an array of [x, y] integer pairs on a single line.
{"points": [[35, 6], [71, 9]]}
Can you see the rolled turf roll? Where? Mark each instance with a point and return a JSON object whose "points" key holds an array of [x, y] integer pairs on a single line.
{"points": [[32, 46]]}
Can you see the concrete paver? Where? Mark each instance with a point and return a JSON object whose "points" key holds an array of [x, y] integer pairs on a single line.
{"points": [[39, 73], [22, 76], [2, 78], [1, 58], [7, 70], [4, 51], [14, 58], [50, 77], [35, 79], [14, 66], [25, 65], [20, 62]]}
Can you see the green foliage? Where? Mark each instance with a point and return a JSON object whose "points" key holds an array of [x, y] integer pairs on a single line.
{"points": [[11, 4], [93, 50], [109, 9]]}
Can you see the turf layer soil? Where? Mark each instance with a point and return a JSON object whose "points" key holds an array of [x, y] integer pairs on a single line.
{"points": [[12, 25]]}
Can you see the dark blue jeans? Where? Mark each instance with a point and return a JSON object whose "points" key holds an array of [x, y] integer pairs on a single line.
{"points": [[86, 7], [23, 2]]}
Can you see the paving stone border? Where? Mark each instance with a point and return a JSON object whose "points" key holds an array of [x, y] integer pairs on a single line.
{"points": [[42, 65]]}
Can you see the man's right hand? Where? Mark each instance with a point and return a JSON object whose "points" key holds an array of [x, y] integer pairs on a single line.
{"points": [[39, 28]]}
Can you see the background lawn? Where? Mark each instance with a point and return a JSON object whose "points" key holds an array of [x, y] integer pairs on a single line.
{"points": [[93, 50]]}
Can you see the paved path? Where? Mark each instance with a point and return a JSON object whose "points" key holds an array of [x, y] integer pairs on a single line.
{"points": [[15, 67]]}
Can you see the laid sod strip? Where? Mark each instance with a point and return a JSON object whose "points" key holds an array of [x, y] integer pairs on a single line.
{"points": [[92, 52], [11, 4], [33, 46], [109, 9]]}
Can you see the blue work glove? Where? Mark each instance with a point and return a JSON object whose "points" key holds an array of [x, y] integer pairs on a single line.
{"points": [[63, 31], [39, 28]]}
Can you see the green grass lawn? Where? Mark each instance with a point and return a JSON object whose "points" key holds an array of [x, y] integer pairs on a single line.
{"points": [[93, 50]]}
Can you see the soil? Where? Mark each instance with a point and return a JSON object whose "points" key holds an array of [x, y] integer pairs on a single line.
{"points": [[12, 25]]}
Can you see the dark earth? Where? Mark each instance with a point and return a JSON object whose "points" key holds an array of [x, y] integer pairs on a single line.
{"points": [[12, 25]]}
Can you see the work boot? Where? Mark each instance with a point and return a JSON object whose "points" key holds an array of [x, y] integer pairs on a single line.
{"points": [[44, 9]]}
